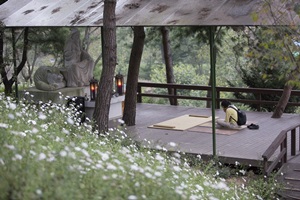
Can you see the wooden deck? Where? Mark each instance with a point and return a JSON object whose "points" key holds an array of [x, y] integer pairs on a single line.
{"points": [[245, 147]]}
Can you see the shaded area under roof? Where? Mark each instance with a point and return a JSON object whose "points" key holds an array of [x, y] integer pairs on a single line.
{"points": [[16, 13]]}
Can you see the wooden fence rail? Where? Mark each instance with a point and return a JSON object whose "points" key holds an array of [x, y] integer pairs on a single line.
{"points": [[258, 92]]}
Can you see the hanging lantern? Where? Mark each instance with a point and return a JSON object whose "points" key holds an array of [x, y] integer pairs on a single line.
{"points": [[119, 83], [93, 88]]}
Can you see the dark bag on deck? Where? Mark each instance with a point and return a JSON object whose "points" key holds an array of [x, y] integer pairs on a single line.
{"points": [[242, 118]]}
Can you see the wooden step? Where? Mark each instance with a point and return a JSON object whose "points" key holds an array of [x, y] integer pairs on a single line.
{"points": [[292, 179], [292, 197], [292, 189]]}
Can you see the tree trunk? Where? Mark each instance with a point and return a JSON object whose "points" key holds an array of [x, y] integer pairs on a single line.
{"points": [[9, 83], [1, 49], [24, 53], [133, 73], [3, 1], [28, 71], [284, 99], [168, 61], [101, 113], [5, 81], [2, 66]]}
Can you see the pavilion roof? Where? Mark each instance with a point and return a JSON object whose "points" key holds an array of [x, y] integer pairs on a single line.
{"points": [[33, 13]]}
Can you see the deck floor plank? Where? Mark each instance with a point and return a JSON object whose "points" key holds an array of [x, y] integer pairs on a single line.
{"points": [[246, 146]]}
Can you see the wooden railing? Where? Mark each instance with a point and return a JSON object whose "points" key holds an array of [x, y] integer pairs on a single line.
{"points": [[281, 144], [258, 92]]}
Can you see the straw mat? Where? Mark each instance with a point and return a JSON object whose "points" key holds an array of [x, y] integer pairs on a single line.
{"points": [[182, 123], [207, 128]]}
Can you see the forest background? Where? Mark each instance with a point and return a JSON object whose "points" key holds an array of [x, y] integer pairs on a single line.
{"points": [[236, 64]]}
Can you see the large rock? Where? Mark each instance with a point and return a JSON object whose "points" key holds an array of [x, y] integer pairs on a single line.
{"points": [[48, 78]]}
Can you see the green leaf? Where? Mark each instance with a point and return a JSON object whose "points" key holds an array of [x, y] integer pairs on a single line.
{"points": [[254, 16], [264, 76], [297, 8]]}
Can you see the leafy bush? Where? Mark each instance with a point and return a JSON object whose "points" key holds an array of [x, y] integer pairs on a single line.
{"points": [[46, 153]]}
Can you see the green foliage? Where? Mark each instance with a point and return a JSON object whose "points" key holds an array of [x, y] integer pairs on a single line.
{"points": [[50, 40], [237, 174], [265, 189], [189, 46], [47, 154], [297, 8], [263, 77], [45, 47], [269, 62], [246, 56], [124, 41], [191, 54], [184, 74]]}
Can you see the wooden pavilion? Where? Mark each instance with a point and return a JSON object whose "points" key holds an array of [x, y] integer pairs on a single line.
{"points": [[37, 13]]}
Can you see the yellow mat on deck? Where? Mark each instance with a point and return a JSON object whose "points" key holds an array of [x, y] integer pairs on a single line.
{"points": [[182, 123]]}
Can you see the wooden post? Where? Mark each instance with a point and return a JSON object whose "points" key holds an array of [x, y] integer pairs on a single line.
{"points": [[139, 92], [293, 142], [284, 159], [265, 165]]}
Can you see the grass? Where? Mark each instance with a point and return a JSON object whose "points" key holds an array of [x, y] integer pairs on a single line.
{"points": [[46, 153]]}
